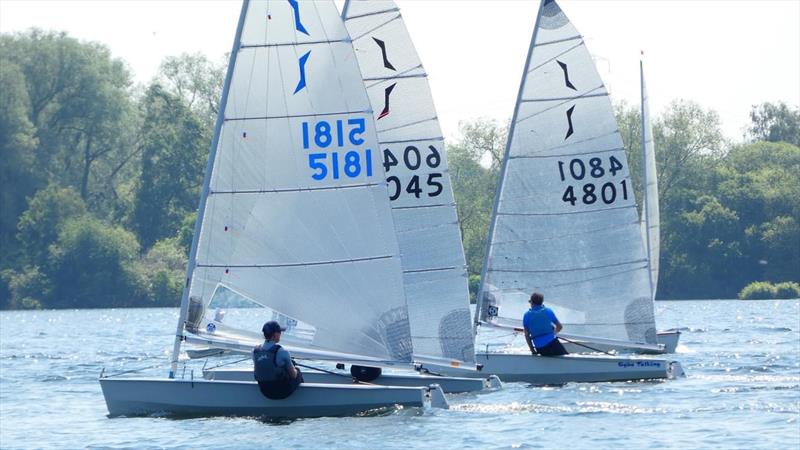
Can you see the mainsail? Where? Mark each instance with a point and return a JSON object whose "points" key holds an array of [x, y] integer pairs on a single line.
{"points": [[651, 227], [295, 214], [565, 220], [423, 206]]}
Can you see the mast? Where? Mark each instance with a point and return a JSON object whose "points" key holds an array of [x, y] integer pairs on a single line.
{"points": [[645, 203], [490, 236], [176, 348]]}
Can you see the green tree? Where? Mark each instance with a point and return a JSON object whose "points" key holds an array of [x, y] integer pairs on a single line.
{"points": [[79, 106], [775, 122], [174, 148], [41, 223], [18, 174], [196, 80], [92, 265]]}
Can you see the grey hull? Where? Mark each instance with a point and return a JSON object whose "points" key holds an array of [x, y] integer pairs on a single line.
{"points": [[174, 397], [667, 338], [569, 368], [450, 385]]}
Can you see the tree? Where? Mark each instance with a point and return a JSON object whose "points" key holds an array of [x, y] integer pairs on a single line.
{"points": [[18, 175], [174, 148], [41, 223], [80, 108], [195, 80], [92, 266], [775, 123]]}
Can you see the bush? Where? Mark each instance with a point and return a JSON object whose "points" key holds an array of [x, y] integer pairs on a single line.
{"points": [[474, 285], [758, 290], [787, 289], [164, 268]]}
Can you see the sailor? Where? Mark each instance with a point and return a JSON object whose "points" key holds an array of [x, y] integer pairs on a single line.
{"points": [[541, 326], [273, 367]]}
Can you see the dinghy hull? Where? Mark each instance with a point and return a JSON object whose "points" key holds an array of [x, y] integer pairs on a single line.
{"points": [[202, 398], [450, 385], [569, 368]]}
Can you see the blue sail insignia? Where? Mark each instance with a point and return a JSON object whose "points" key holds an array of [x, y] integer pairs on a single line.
{"points": [[302, 62], [297, 24]]}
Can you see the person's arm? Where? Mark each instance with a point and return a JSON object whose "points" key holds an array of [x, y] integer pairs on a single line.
{"points": [[556, 324], [288, 363], [528, 339]]}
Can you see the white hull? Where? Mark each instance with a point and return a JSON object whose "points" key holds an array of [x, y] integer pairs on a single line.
{"points": [[179, 397], [569, 368], [450, 385], [669, 339]]}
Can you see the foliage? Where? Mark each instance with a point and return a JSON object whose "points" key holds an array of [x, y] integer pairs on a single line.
{"points": [[775, 123], [163, 267], [174, 146], [764, 290], [758, 290]]}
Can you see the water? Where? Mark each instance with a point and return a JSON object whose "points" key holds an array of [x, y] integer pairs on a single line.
{"points": [[742, 391]]}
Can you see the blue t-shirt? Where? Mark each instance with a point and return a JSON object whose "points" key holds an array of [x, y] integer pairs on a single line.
{"points": [[539, 321]]}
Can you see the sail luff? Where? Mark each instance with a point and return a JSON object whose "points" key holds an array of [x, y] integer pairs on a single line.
{"points": [[645, 182], [479, 302], [651, 227], [205, 190]]}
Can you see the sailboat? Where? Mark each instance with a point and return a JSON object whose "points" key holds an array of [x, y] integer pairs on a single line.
{"points": [[423, 206], [650, 229], [565, 221], [293, 215]]}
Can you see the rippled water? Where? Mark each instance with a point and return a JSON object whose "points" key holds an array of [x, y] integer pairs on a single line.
{"points": [[742, 391]]}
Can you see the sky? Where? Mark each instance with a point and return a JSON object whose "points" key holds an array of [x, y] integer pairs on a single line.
{"points": [[724, 55]]}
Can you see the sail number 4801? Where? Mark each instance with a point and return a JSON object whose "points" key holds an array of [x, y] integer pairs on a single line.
{"points": [[590, 193], [339, 134]]}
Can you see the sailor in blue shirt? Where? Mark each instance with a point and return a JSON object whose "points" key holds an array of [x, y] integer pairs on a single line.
{"points": [[541, 325]]}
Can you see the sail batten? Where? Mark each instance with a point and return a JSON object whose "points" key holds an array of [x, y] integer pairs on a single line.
{"points": [[565, 220], [423, 206]]}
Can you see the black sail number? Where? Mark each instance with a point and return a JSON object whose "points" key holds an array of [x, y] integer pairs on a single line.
{"points": [[414, 160]]}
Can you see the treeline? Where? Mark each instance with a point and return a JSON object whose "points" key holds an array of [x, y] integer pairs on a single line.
{"points": [[101, 179]]}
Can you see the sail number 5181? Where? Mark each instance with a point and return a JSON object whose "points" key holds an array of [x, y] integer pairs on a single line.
{"points": [[590, 193], [339, 133]]}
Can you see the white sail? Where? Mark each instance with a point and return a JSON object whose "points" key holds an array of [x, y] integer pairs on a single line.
{"points": [[296, 216], [565, 220], [423, 206], [651, 226]]}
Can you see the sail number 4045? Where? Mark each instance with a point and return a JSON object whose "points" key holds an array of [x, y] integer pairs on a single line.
{"points": [[414, 160], [589, 193], [339, 134]]}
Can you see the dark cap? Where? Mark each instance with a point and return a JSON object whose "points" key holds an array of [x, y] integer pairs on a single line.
{"points": [[271, 328]]}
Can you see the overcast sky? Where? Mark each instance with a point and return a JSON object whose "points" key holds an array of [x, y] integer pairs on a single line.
{"points": [[725, 55]]}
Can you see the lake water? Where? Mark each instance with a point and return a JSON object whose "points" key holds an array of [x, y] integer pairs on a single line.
{"points": [[742, 390]]}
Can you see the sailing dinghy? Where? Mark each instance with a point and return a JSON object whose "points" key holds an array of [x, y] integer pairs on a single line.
{"points": [[423, 206], [293, 215], [565, 221]]}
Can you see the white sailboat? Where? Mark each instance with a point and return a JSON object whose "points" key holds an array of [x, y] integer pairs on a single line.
{"points": [[423, 206], [293, 215], [565, 220]]}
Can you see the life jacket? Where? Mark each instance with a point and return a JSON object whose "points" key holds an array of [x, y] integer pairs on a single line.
{"points": [[273, 380], [265, 363]]}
